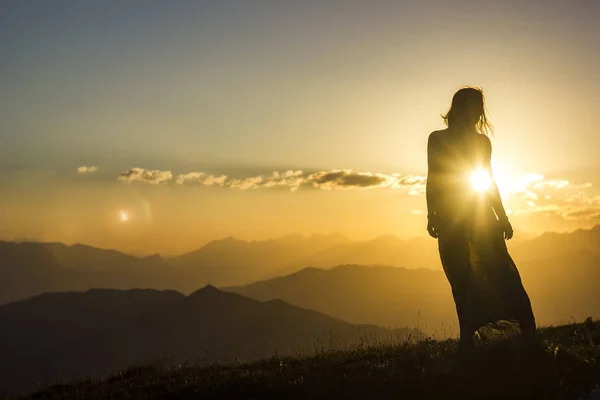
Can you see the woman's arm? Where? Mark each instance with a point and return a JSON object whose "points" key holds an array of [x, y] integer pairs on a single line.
{"points": [[494, 194], [432, 176], [432, 185]]}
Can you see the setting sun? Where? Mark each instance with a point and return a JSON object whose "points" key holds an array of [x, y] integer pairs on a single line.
{"points": [[481, 180], [123, 216]]}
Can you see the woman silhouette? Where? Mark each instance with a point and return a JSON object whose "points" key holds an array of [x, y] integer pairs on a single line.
{"points": [[466, 215]]}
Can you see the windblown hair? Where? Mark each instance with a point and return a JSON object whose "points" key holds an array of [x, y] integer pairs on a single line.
{"points": [[468, 109]]}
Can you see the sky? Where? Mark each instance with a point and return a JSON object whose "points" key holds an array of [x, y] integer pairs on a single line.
{"points": [[152, 126]]}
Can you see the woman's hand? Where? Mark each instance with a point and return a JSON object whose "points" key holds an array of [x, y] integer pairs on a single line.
{"points": [[433, 226], [506, 228]]}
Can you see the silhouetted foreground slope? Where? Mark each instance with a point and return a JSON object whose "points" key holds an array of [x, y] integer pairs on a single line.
{"points": [[563, 363], [73, 335]]}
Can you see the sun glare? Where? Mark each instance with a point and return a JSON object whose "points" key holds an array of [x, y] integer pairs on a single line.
{"points": [[481, 180], [123, 216]]}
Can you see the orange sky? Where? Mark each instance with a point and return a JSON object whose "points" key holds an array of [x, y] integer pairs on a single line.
{"points": [[200, 121]]}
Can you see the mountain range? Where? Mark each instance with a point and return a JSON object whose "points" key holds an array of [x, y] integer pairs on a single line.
{"points": [[32, 268], [62, 336], [560, 271], [385, 296], [269, 302], [561, 288], [557, 268]]}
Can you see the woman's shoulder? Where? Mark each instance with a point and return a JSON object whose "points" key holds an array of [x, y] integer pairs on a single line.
{"points": [[437, 135], [484, 141], [483, 138]]}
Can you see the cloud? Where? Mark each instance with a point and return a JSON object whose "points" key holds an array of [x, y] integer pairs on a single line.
{"points": [[527, 194], [551, 184], [409, 180], [211, 180], [246, 183], [537, 209], [189, 177], [533, 186], [87, 169], [586, 213], [291, 180], [554, 197], [201, 178], [573, 213], [326, 180], [146, 176], [417, 190], [346, 179]]}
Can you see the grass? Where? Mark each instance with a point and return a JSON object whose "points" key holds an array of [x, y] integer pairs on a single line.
{"points": [[562, 363]]}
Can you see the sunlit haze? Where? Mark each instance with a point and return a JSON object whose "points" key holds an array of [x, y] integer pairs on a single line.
{"points": [[149, 128], [481, 180]]}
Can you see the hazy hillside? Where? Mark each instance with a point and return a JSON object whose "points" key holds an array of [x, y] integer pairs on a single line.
{"points": [[232, 261], [223, 262], [67, 335], [419, 252], [552, 244], [385, 296], [561, 289], [88, 258], [28, 269]]}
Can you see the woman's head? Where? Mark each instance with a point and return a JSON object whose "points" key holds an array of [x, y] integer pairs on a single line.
{"points": [[468, 110]]}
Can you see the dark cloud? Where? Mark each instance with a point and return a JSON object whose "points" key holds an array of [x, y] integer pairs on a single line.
{"points": [[582, 213], [146, 176], [345, 179]]}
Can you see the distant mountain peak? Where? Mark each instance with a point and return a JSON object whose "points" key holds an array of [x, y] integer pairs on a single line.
{"points": [[226, 240], [386, 236], [210, 295], [307, 270], [207, 291], [291, 238], [339, 236], [81, 245], [387, 239], [331, 236], [227, 243]]}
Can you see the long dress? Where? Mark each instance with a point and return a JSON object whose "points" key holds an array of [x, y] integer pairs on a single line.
{"points": [[485, 282]]}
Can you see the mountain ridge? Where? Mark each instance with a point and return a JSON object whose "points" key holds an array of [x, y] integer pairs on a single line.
{"points": [[75, 334], [30, 268]]}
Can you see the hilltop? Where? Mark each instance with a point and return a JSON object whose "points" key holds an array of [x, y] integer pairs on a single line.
{"points": [[562, 363], [73, 335]]}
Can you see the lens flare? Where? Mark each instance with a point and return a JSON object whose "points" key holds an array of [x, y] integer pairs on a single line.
{"points": [[123, 216], [481, 180]]}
